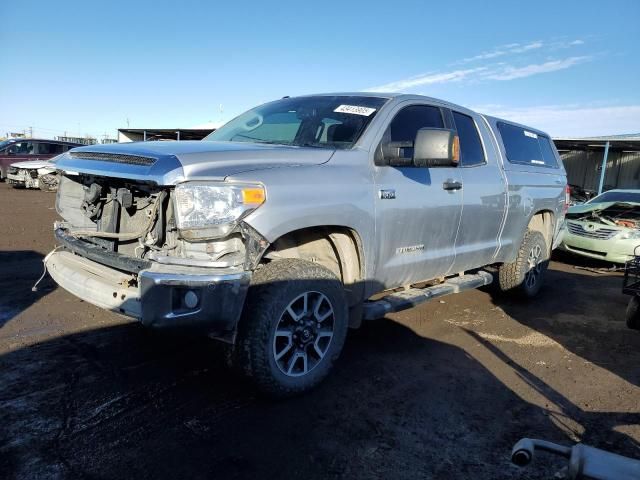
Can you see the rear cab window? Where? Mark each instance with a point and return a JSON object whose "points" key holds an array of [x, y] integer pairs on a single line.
{"points": [[525, 147]]}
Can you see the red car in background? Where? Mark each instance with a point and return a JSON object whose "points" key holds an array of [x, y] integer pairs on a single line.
{"points": [[23, 149]]}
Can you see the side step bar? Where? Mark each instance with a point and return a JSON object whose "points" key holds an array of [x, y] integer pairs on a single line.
{"points": [[395, 302]]}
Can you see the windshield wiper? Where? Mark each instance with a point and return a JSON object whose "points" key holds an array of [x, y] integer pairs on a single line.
{"points": [[254, 140], [312, 145]]}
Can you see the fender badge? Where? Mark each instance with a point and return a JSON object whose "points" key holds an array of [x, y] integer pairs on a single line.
{"points": [[410, 249], [387, 194]]}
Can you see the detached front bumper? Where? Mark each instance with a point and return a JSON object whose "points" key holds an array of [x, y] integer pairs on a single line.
{"points": [[184, 298]]}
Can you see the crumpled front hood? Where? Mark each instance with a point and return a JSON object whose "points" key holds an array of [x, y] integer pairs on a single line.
{"points": [[34, 164], [168, 163], [600, 206]]}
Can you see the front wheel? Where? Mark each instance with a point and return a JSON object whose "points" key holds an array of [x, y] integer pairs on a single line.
{"points": [[525, 275], [293, 326]]}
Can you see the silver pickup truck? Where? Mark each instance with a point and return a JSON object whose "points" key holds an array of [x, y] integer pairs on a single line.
{"points": [[275, 232]]}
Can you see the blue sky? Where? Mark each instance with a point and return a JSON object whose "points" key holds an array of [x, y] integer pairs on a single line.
{"points": [[568, 67]]}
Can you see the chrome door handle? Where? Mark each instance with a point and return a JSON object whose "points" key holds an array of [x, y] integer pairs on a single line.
{"points": [[450, 185]]}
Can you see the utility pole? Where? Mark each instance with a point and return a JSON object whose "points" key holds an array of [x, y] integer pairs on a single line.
{"points": [[30, 132]]}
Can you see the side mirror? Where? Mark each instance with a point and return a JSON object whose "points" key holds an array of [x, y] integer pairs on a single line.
{"points": [[393, 154], [436, 147]]}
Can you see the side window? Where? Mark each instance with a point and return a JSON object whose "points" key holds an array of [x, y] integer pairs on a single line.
{"points": [[471, 151], [409, 120], [523, 146], [405, 125], [22, 148], [45, 148]]}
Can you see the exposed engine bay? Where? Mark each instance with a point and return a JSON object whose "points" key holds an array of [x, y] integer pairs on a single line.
{"points": [[621, 214], [137, 220]]}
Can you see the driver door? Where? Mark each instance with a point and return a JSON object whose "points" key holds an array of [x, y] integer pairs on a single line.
{"points": [[417, 210]]}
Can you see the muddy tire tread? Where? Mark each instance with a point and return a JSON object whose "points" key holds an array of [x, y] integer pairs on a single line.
{"points": [[269, 284]]}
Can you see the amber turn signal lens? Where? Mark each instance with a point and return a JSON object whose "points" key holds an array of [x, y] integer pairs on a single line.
{"points": [[456, 149], [253, 196]]}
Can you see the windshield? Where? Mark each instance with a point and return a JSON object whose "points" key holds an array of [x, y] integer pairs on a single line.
{"points": [[617, 196], [320, 121], [4, 143]]}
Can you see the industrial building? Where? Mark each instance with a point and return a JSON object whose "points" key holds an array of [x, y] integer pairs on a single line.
{"points": [[601, 163], [158, 134]]}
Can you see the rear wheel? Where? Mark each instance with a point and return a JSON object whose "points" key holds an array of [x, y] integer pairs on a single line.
{"points": [[525, 275], [293, 327]]}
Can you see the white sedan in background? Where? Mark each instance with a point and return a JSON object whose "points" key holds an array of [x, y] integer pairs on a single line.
{"points": [[34, 174]]}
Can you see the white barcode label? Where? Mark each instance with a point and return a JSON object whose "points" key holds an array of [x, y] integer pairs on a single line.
{"points": [[355, 110], [538, 162], [530, 134]]}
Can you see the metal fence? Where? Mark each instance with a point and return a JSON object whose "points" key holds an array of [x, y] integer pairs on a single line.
{"points": [[584, 167]]}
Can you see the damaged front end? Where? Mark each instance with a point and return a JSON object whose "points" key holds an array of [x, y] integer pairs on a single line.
{"points": [[131, 247], [607, 231], [621, 214]]}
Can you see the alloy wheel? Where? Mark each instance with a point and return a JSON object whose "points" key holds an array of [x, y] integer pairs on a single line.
{"points": [[534, 267], [303, 334]]}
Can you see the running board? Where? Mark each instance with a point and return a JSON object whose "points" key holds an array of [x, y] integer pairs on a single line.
{"points": [[398, 301]]}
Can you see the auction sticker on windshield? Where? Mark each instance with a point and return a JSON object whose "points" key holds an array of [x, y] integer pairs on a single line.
{"points": [[355, 110]]}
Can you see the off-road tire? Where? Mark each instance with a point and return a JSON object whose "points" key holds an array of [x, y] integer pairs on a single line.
{"points": [[633, 313], [273, 286], [512, 276]]}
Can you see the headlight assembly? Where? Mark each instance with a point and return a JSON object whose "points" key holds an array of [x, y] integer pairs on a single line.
{"points": [[212, 210], [630, 234]]}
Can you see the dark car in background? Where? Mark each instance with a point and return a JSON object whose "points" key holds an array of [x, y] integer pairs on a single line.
{"points": [[24, 149]]}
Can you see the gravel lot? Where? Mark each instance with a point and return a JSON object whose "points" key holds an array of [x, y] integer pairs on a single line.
{"points": [[440, 391]]}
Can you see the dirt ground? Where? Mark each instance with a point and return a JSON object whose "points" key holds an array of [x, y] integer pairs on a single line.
{"points": [[440, 391]]}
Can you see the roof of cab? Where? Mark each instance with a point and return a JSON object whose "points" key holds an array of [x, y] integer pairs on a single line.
{"points": [[391, 95], [407, 96]]}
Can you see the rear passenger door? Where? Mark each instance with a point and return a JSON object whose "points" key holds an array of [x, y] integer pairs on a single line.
{"points": [[483, 192]]}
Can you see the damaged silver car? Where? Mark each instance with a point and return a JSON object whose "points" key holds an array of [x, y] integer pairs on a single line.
{"points": [[607, 227], [40, 174]]}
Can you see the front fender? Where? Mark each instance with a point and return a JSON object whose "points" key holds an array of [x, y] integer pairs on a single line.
{"points": [[323, 195]]}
